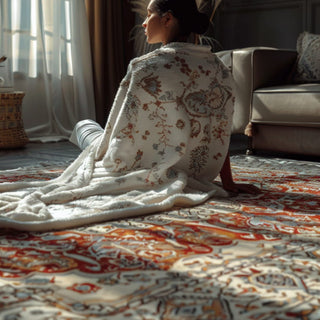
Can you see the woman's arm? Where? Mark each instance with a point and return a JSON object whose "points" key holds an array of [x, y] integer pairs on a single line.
{"points": [[228, 183]]}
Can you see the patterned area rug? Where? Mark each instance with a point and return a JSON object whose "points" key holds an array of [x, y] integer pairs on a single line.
{"points": [[246, 257]]}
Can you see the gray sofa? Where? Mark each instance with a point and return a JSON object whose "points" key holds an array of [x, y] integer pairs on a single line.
{"points": [[276, 113]]}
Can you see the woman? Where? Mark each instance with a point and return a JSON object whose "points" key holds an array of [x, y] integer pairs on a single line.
{"points": [[165, 141], [172, 22]]}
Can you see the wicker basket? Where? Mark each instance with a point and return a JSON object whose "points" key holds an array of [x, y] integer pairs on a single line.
{"points": [[12, 134]]}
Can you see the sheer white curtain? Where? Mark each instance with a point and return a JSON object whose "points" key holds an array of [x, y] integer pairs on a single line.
{"points": [[51, 63]]}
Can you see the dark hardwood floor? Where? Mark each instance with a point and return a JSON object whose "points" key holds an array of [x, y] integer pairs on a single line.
{"points": [[38, 153]]}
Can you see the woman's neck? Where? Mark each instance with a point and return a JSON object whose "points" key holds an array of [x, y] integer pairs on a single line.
{"points": [[176, 39]]}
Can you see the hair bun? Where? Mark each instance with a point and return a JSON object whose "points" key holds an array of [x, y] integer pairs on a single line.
{"points": [[186, 11]]}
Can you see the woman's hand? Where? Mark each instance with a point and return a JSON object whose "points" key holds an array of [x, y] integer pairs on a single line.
{"points": [[228, 183], [242, 188]]}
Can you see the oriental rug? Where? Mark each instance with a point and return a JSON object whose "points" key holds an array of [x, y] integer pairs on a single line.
{"points": [[243, 258]]}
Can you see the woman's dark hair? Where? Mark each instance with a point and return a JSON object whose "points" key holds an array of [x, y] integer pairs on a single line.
{"points": [[187, 13]]}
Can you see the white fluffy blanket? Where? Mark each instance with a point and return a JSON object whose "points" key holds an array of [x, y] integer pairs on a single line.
{"points": [[164, 143]]}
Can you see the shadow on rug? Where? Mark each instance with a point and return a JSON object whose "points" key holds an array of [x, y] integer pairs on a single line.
{"points": [[246, 257]]}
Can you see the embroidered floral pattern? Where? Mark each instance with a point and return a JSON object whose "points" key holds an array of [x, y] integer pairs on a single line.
{"points": [[202, 93], [151, 84], [180, 124], [199, 158]]}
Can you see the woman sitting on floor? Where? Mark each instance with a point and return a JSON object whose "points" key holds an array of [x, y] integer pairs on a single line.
{"points": [[171, 22], [166, 139]]}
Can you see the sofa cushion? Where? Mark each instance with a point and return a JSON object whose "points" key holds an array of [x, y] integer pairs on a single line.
{"points": [[307, 68], [287, 105]]}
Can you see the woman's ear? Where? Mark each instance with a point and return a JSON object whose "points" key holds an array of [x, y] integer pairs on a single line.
{"points": [[168, 19]]}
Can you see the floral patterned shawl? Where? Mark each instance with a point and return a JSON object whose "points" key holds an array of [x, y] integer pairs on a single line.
{"points": [[164, 143]]}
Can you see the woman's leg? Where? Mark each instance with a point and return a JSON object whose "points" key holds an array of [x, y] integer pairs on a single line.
{"points": [[85, 133]]}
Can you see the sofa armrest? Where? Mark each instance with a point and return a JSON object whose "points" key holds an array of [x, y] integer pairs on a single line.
{"points": [[272, 67], [239, 61], [254, 67]]}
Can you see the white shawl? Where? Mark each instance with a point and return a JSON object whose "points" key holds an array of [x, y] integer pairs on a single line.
{"points": [[164, 143]]}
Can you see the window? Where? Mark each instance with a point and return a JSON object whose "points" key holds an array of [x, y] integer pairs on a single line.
{"points": [[41, 36]]}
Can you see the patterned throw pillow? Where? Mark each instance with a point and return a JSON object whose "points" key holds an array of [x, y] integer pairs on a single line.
{"points": [[308, 62]]}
